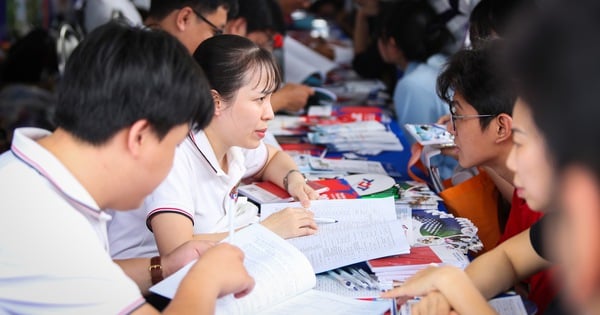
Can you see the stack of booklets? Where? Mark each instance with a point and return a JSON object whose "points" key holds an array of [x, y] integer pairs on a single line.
{"points": [[356, 136], [417, 196], [401, 267], [434, 227]]}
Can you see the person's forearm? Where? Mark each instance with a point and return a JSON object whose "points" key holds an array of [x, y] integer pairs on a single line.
{"points": [[500, 268], [361, 33], [137, 270], [278, 167], [491, 273]]}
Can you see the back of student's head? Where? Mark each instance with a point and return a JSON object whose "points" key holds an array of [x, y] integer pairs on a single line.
{"points": [[557, 62], [31, 60], [492, 18], [477, 75], [159, 9], [118, 75], [416, 28], [229, 61], [258, 15]]}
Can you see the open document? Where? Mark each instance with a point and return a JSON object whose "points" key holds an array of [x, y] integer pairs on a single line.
{"points": [[301, 62], [284, 281], [365, 229]]}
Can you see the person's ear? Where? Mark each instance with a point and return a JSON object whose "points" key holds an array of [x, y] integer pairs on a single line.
{"points": [[218, 101], [138, 136], [503, 127], [183, 18]]}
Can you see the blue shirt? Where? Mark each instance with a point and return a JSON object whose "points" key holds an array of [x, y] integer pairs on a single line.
{"points": [[415, 97]]}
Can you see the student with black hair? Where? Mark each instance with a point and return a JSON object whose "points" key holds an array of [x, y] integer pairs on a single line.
{"points": [[557, 69], [118, 124], [491, 18], [481, 96], [445, 289], [27, 82], [412, 38], [191, 21], [197, 197], [256, 20]]}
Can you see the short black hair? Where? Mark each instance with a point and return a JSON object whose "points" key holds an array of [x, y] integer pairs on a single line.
{"points": [[32, 59], [417, 29], [258, 15], [228, 59], [159, 9], [478, 76], [496, 16], [120, 74], [557, 64]]}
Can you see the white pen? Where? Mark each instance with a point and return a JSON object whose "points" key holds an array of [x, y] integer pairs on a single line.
{"points": [[325, 220], [362, 278], [374, 282], [354, 279], [231, 206], [347, 283]]}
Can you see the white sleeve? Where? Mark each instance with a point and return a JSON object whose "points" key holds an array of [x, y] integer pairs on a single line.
{"points": [[174, 194]]}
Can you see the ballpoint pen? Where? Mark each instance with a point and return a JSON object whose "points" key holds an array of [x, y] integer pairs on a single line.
{"points": [[353, 279], [375, 282], [325, 220], [347, 283], [368, 280]]}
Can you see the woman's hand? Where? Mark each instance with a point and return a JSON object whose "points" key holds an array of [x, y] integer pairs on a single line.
{"points": [[291, 222]]}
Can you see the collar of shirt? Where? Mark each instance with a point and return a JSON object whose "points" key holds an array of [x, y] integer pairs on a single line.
{"points": [[26, 149]]}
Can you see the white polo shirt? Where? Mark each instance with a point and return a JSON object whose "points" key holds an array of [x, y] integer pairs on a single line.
{"points": [[196, 187], [53, 245]]}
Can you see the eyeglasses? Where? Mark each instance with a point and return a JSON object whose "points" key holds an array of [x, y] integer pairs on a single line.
{"points": [[216, 30], [454, 118]]}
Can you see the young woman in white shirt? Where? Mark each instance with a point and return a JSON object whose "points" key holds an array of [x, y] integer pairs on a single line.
{"points": [[194, 201]]}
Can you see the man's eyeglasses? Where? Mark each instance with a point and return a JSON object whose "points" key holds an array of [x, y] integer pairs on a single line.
{"points": [[216, 30], [454, 118]]}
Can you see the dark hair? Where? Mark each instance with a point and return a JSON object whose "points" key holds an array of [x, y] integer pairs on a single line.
{"points": [[496, 16], [159, 9], [258, 15], [228, 60], [417, 29], [118, 75], [478, 76], [557, 64], [31, 60]]}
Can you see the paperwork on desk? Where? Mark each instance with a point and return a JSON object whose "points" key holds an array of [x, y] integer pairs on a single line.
{"points": [[366, 229], [284, 281], [359, 136]]}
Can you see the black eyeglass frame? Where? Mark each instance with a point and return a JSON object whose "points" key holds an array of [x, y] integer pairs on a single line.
{"points": [[216, 30]]}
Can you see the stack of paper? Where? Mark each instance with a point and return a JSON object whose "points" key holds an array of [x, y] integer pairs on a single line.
{"points": [[401, 267], [356, 136]]}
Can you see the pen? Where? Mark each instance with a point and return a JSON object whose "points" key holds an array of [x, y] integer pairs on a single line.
{"points": [[348, 284], [368, 280], [325, 220], [354, 279]]}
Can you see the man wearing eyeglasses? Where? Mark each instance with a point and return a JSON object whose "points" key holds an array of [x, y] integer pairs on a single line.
{"points": [[191, 21], [481, 97]]}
